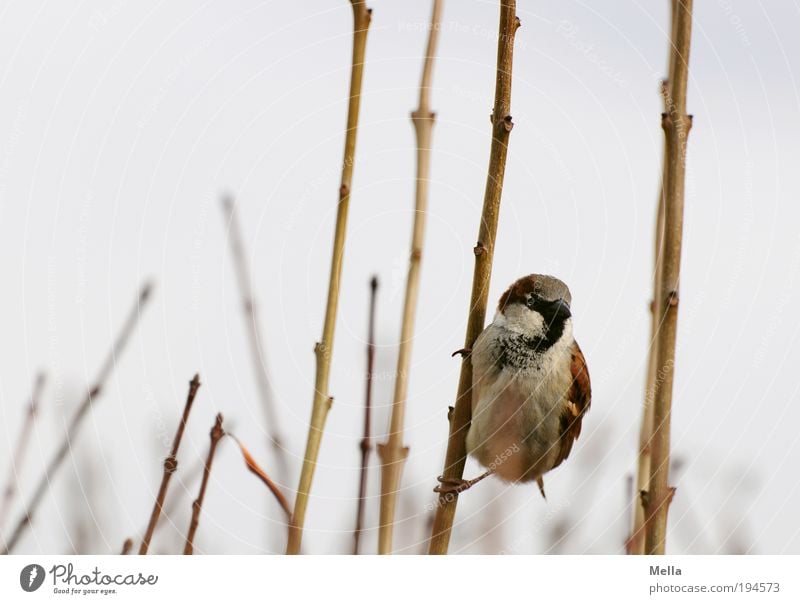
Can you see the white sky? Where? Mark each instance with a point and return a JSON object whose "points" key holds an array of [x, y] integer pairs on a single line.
{"points": [[123, 121]]}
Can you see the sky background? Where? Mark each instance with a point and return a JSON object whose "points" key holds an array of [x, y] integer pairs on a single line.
{"points": [[123, 123]]}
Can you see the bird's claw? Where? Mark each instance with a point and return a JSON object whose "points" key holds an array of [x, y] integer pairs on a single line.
{"points": [[451, 486]]}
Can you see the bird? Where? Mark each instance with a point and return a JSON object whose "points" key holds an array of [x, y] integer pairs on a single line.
{"points": [[530, 386]]}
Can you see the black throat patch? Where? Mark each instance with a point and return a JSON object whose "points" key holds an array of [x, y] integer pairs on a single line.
{"points": [[519, 351]]}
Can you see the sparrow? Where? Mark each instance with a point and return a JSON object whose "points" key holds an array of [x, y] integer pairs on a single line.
{"points": [[530, 386]]}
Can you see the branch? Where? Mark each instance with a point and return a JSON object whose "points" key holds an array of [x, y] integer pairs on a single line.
{"points": [[676, 124], [254, 337], [197, 506], [393, 453], [18, 459], [72, 430], [365, 442], [170, 466], [635, 542], [126, 547], [484, 252], [324, 348]]}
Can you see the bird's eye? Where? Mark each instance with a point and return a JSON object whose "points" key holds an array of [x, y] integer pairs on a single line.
{"points": [[531, 302]]}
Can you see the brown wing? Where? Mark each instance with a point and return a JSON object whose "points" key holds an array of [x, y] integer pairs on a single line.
{"points": [[579, 398]]}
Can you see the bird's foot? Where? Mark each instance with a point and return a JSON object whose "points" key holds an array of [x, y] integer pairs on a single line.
{"points": [[451, 486], [454, 486], [464, 352]]}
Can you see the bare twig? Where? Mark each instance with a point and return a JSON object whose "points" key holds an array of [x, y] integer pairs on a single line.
{"points": [[366, 443], [127, 547], [635, 542], [254, 332], [253, 466], [324, 348], [197, 506], [393, 453], [72, 430], [18, 458], [676, 124], [484, 252], [170, 466]]}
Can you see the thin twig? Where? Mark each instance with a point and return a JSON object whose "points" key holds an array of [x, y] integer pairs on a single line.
{"points": [[170, 466], [127, 547], [484, 252], [324, 349], [393, 453], [676, 124], [72, 430], [366, 442], [258, 355], [197, 506], [18, 458]]}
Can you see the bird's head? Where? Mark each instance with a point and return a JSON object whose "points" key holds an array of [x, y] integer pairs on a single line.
{"points": [[536, 306]]}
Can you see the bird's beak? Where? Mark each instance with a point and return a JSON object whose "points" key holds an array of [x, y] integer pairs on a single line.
{"points": [[561, 309]]}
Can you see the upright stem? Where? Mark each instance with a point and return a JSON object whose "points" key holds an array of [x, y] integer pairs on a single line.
{"points": [[63, 451], [366, 442], [676, 124], [393, 453], [18, 458], [254, 332], [324, 349], [170, 466], [197, 506], [635, 543], [484, 252]]}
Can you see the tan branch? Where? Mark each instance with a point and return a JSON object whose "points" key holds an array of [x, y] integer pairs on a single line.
{"points": [[393, 453], [635, 543], [676, 124], [484, 253], [324, 348]]}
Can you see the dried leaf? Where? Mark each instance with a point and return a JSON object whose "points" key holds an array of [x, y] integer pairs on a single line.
{"points": [[256, 469]]}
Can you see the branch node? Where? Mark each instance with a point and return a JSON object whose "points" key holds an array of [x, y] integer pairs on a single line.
{"points": [[479, 249], [217, 432], [672, 298], [170, 464]]}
